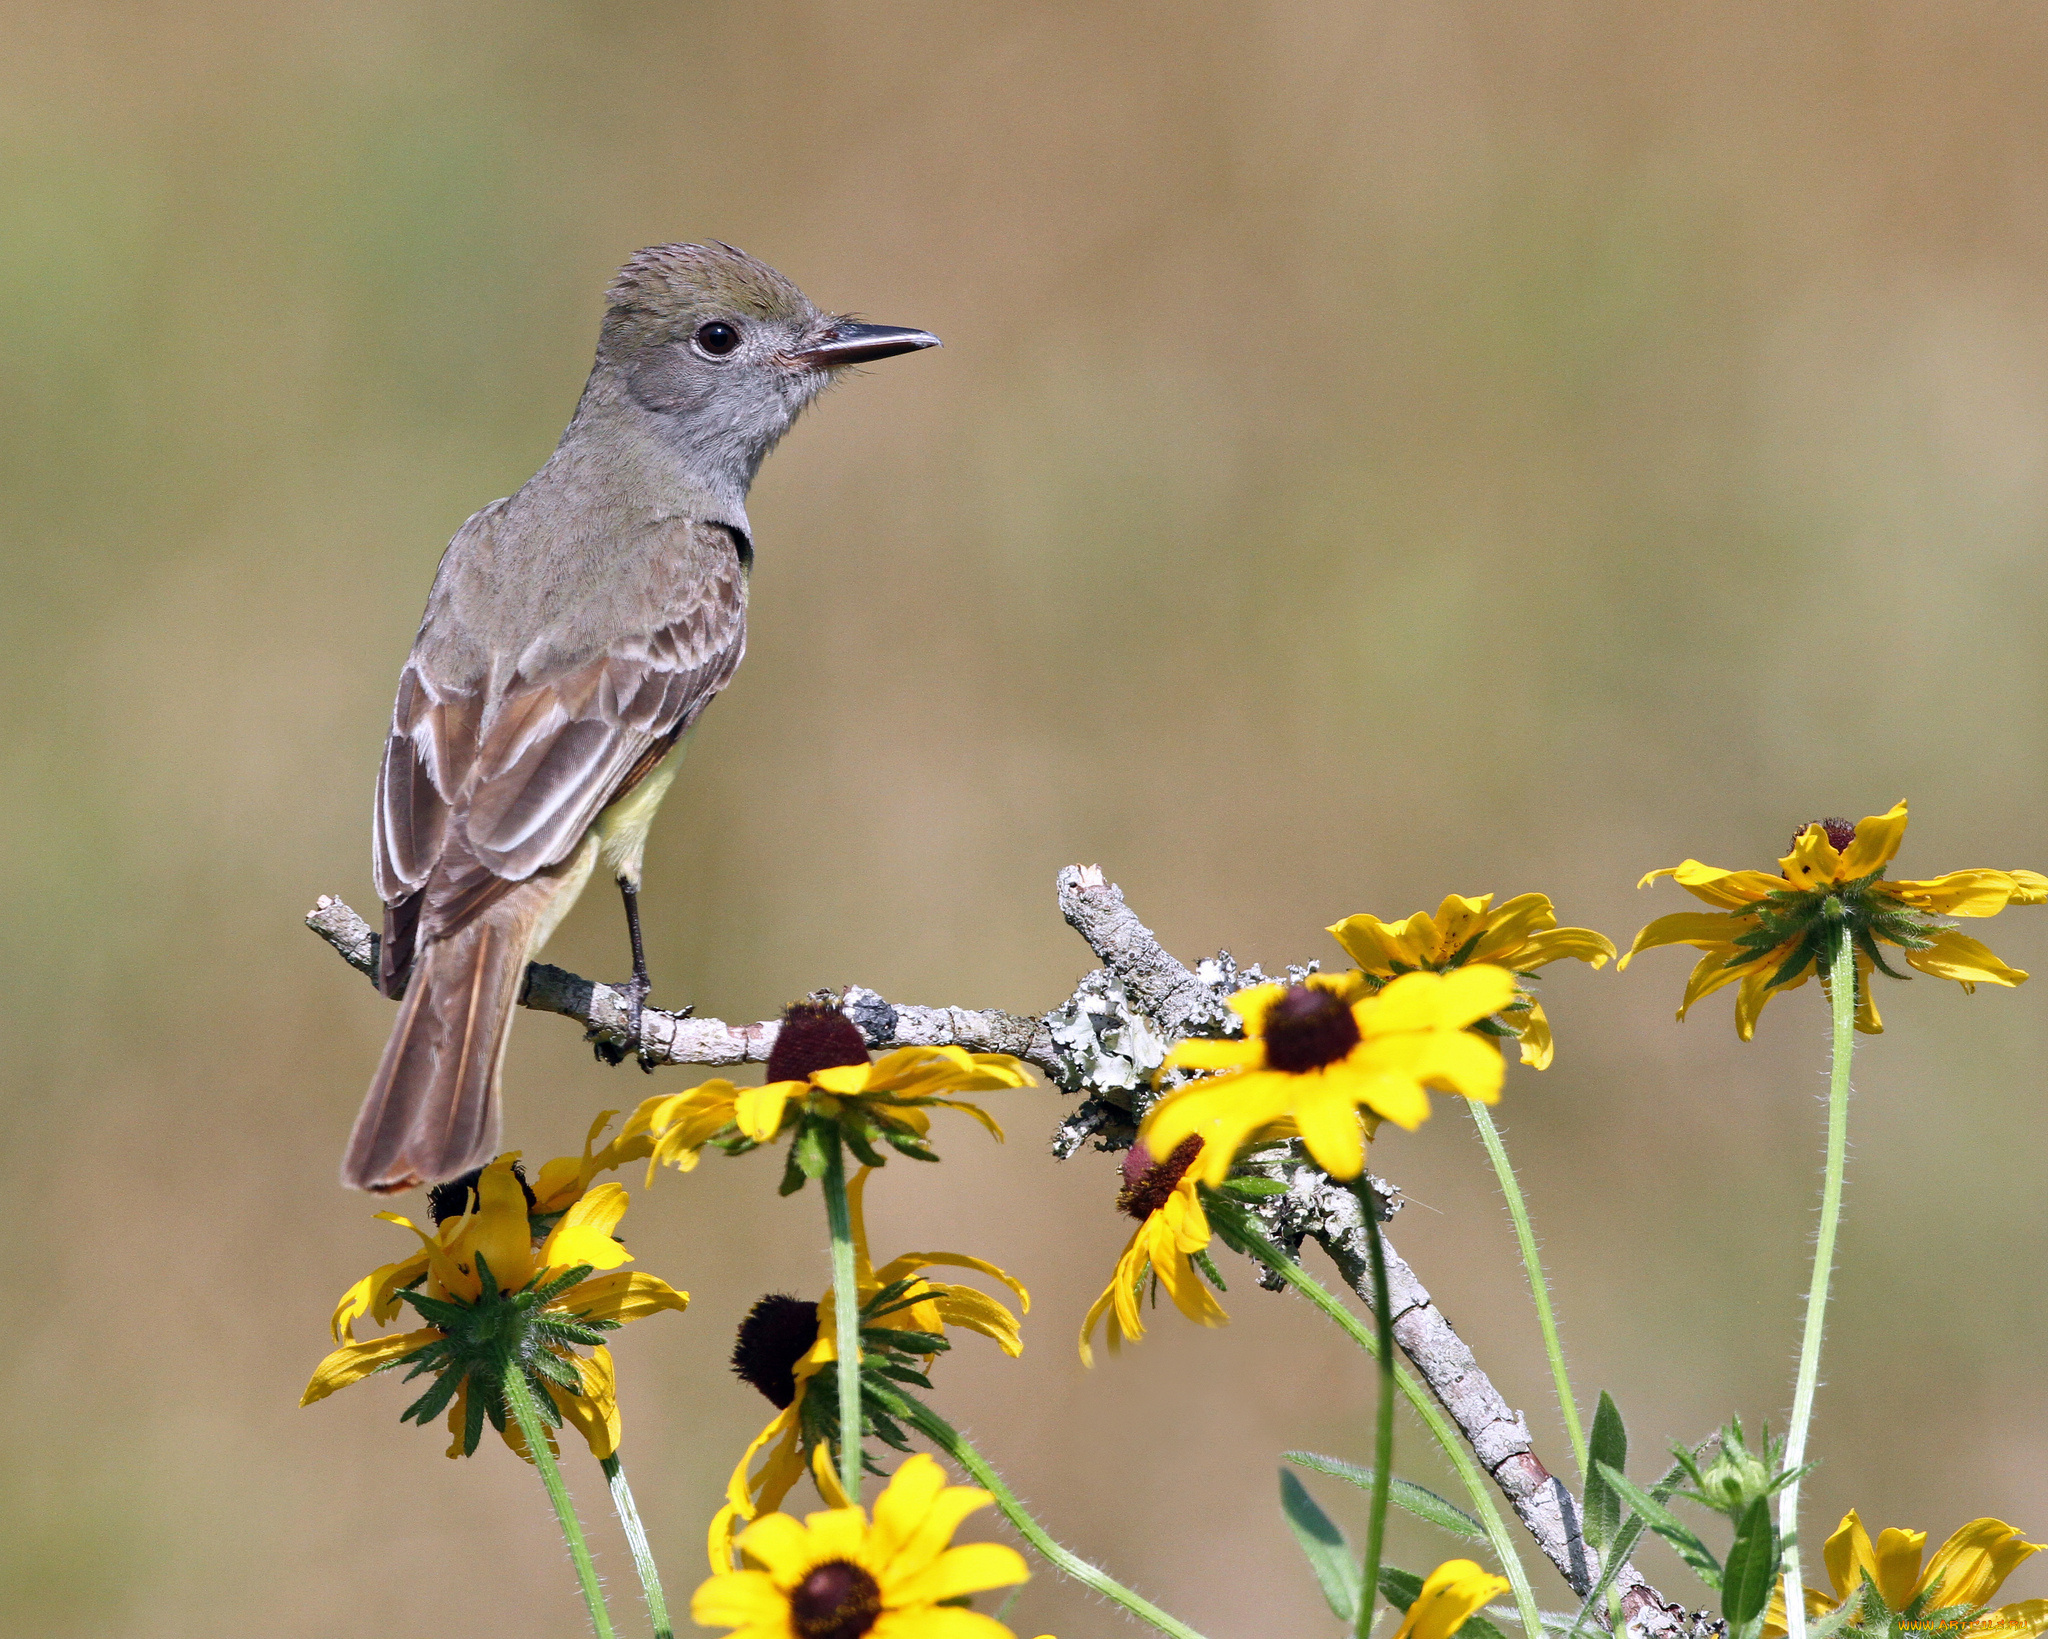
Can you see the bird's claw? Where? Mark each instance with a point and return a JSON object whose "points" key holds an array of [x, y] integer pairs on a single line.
{"points": [[614, 1052]]}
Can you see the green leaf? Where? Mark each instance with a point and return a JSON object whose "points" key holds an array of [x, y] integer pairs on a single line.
{"points": [[1423, 1504], [1667, 1525], [861, 1145], [1329, 1555], [792, 1173], [1608, 1448], [1253, 1188], [919, 1344], [1752, 1566], [1398, 1588], [908, 1144], [809, 1152]]}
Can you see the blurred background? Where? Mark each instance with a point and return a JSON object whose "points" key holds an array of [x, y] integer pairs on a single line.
{"points": [[1379, 450]]}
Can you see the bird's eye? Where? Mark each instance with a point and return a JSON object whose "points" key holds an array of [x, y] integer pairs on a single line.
{"points": [[716, 338]]}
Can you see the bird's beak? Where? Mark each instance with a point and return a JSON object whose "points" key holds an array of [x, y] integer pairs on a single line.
{"points": [[849, 343]]}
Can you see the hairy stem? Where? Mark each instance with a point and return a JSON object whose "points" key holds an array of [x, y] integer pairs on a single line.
{"points": [[519, 1400], [1532, 1264], [1424, 1405], [846, 1315], [636, 1539], [949, 1439], [1383, 1440], [1842, 1006]]}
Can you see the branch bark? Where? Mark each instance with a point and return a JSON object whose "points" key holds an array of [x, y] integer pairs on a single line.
{"points": [[678, 1038], [1316, 1208], [1176, 1001]]}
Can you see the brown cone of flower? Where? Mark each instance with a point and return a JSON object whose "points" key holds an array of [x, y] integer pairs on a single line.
{"points": [[814, 1036]]}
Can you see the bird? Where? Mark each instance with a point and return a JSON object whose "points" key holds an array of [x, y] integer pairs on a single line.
{"points": [[575, 633]]}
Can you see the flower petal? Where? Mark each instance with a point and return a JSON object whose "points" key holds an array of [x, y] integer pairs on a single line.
{"points": [[740, 1599], [1877, 840], [973, 1567], [1973, 1564], [595, 1412], [1450, 1594], [1534, 1037], [353, 1362], [1329, 1127], [376, 1294], [584, 1234], [498, 1231], [1959, 957], [2025, 1620], [1579, 944], [1708, 930], [1813, 862], [1730, 890], [1212, 1053], [622, 1296], [758, 1110], [1960, 893]]}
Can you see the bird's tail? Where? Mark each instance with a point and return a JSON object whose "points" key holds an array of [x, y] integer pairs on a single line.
{"points": [[432, 1112]]}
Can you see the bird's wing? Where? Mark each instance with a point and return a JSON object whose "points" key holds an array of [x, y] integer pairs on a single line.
{"points": [[481, 790]]}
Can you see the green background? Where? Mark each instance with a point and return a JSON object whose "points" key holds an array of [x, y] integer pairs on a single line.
{"points": [[1379, 450]]}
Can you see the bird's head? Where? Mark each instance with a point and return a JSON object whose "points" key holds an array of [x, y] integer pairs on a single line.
{"points": [[726, 352]]}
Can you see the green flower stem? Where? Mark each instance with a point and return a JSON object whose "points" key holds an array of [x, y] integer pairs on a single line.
{"points": [[1425, 1407], [846, 1312], [949, 1440], [519, 1399], [1539, 1289], [1383, 1442], [1842, 1001], [636, 1539]]}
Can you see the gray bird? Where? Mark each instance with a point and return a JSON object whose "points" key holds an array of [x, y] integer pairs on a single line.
{"points": [[575, 633]]}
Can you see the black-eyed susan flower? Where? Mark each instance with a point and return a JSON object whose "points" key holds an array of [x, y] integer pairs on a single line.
{"points": [[820, 1066], [1450, 1595], [785, 1342], [1772, 933], [1884, 1586], [1323, 1059], [497, 1296], [1172, 1235], [1521, 936], [835, 1576]]}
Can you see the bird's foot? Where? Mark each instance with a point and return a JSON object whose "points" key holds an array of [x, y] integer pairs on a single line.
{"points": [[614, 1052]]}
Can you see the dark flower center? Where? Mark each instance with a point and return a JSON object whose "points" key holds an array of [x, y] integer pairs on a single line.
{"points": [[814, 1036], [1308, 1028], [1841, 833], [454, 1198], [1149, 1184], [777, 1333], [837, 1600]]}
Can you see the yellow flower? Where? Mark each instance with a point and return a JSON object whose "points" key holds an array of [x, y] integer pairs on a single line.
{"points": [[837, 1577], [1950, 1595], [489, 1279], [1772, 933], [1521, 936], [1449, 1596], [1316, 1054], [785, 1343], [1172, 1230], [562, 1183], [819, 1066]]}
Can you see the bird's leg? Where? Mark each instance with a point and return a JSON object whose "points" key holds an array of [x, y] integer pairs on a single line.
{"points": [[635, 988]]}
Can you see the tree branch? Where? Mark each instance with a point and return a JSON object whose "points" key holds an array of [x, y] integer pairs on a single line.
{"points": [[677, 1038], [1316, 1207], [1106, 1041]]}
